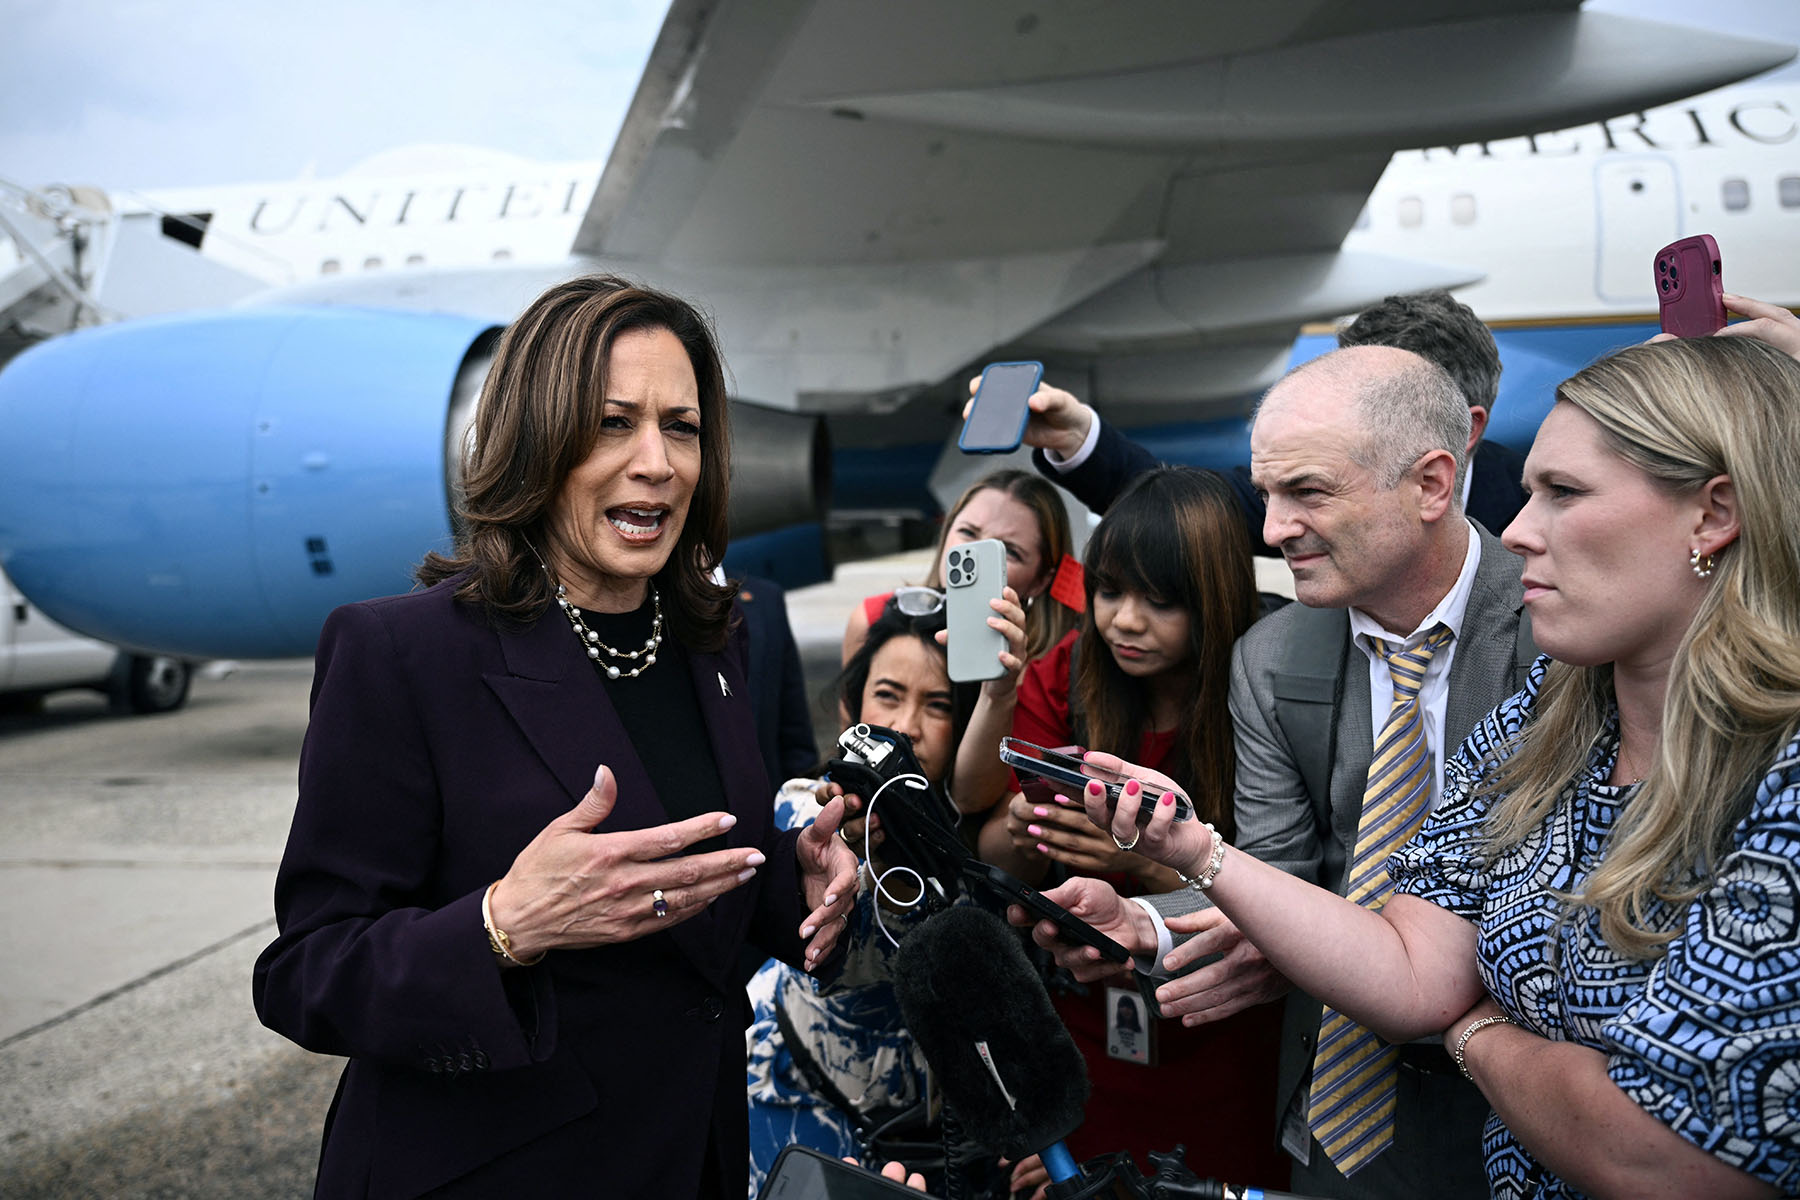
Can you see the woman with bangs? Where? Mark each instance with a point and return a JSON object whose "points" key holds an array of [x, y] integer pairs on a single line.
{"points": [[1169, 589]]}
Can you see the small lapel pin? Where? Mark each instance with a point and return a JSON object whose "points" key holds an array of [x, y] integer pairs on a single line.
{"points": [[724, 688]]}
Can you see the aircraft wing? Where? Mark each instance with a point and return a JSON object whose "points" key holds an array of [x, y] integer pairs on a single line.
{"points": [[872, 196]]}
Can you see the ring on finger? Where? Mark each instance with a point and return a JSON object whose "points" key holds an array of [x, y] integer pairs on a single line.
{"points": [[1135, 835], [658, 904]]}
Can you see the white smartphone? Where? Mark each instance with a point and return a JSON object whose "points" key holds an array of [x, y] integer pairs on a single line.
{"points": [[974, 574]]}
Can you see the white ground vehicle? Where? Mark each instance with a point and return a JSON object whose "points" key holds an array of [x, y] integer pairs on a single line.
{"points": [[38, 656]]}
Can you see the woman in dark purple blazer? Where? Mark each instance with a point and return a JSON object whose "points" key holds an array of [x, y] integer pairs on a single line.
{"points": [[529, 962]]}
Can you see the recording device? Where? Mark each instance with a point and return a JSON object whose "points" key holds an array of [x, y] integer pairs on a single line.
{"points": [[996, 421], [974, 575], [1689, 287], [984, 1022], [920, 829], [802, 1173], [1067, 768]]}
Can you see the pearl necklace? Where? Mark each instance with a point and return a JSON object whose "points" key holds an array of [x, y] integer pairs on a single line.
{"points": [[590, 641]]}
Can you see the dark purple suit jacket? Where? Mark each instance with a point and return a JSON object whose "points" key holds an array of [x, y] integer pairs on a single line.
{"points": [[438, 748]]}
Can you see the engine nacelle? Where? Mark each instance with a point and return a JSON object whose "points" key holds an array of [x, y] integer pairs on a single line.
{"points": [[213, 485]]}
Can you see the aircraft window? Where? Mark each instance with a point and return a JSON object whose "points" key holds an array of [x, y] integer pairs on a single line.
{"points": [[1412, 212], [502, 255], [415, 260], [1735, 193], [1462, 208], [330, 266], [372, 263], [1790, 191]]}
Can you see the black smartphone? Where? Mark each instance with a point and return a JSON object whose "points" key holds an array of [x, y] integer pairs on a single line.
{"points": [[1015, 891], [802, 1173], [996, 421], [1069, 771]]}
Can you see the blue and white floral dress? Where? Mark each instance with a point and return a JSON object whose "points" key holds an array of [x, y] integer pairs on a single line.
{"points": [[1705, 1038]]}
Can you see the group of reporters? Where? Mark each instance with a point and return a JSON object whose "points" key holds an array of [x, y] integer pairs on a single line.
{"points": [[1585, 893]]}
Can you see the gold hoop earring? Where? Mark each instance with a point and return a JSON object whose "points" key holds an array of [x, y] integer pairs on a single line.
{"points": [[1702, 569]]}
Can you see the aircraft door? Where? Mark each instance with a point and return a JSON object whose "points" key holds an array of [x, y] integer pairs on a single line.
{"points": [[1638, 209]]}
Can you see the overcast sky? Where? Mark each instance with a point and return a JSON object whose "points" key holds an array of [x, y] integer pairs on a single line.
{"points": [[153, 93]]}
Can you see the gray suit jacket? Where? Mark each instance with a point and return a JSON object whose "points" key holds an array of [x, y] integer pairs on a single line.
{"points": [[1295, 817]]}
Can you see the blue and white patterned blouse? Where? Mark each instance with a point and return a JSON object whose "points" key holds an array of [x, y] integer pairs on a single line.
{"points": [[1706, 1038], [853, 1031]]}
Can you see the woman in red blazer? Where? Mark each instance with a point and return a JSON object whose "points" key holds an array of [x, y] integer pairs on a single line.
{"points": [[529, 962]]}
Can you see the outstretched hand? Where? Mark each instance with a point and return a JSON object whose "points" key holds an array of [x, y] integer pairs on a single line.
{"points": [[1056, 421], [1183, 845], [1241, 979], [827, 880], [1094, 901], [571, 888]]}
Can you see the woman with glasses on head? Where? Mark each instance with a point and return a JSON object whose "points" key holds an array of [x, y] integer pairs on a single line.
{"points": [[1025, 513], [1170, 588]]}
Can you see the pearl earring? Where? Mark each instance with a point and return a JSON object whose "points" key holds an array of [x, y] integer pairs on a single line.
{"points": [[1702, 569]]}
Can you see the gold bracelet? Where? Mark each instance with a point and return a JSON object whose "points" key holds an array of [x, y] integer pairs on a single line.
{"points": [[498, 942], [1462, 1042], [1210, 872]]}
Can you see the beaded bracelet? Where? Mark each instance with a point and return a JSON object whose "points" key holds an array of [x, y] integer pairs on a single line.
{"points": [[1210, 872], [498, 941], [1462, 1042]]}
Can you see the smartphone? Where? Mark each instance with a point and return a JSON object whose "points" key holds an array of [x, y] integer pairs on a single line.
{"points": [[1689, 287], [996, 421], [802, 1173], [974, 574], [1016, 891], [1066, 767]]}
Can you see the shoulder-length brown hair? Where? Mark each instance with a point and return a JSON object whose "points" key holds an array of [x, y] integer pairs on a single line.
{"points": [[539, 416], [1177, 536]]}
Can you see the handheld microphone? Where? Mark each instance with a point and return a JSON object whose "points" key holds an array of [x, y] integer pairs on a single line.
{"points": [[983, 1020]]}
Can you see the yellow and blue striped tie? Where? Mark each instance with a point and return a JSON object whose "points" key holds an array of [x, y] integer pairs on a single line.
{"points": [[1351, 1106]]}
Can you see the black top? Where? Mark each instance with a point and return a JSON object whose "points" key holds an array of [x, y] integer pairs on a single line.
{"points": [[661, 715]]}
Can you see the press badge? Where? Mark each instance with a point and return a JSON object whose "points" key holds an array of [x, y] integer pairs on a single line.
{"points": [[1130, 1029]]}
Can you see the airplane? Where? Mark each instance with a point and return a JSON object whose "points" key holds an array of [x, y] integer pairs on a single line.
{"points": [[871, 200]]}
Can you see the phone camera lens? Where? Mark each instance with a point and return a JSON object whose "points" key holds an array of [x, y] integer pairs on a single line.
{"points": [[955, 577]]}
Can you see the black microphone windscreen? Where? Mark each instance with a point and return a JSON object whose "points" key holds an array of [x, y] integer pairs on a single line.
{"points": [[971, 998]]}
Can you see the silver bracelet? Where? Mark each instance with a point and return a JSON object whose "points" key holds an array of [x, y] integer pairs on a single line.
{"points": [[1462, 1043], [1210, 872]]}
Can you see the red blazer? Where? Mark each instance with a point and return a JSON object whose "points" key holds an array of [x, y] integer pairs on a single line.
{"points": [[438, 748]]}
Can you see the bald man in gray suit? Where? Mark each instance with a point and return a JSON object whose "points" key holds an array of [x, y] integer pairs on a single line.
{"points": [[1361, 455]]}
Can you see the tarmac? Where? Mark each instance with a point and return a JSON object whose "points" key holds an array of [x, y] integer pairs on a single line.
{"points": [[137, 857]]}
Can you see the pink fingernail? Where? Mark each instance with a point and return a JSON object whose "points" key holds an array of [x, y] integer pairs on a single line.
{"points": [[807, 931], [1034, 831], [1043, 849], [727, 821], [1168, 798], [1132, 787], [1093, 788], [1040, 812]]}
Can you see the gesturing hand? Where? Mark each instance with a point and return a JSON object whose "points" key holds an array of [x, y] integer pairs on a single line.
{"points": [[571, 888], [827, 879]]}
